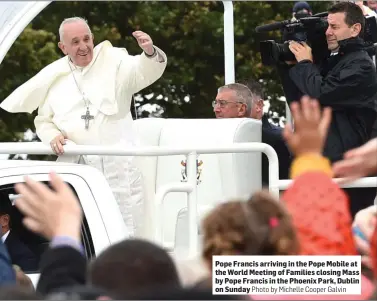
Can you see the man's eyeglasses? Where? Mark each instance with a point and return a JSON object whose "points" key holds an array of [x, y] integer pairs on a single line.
{"points": [[223, 103]]}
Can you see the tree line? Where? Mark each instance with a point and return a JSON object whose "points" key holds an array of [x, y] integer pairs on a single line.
{"points": [[191, 33]]}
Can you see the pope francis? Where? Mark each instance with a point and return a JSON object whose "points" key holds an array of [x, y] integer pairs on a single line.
{"points": [[85, 98]]}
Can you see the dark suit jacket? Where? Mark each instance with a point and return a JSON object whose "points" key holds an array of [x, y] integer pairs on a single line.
{"points": [[20, 254], [61, 268], [347, 83], [272, 135], [7, 274]]}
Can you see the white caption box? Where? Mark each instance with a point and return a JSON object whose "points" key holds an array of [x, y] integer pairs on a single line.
{"points": [[286, 275]]}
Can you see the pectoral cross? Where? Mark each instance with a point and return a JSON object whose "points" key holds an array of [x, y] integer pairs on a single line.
{"points": [[87, 117]]}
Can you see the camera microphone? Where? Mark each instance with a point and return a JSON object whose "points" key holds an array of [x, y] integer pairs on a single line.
{"points": [[270, 27]]}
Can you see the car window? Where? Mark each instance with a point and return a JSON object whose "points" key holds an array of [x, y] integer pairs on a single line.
{"points": [[33, 242]]}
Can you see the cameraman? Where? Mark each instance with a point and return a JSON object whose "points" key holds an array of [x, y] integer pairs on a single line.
{"points": [[300, 10], [346, 82]]}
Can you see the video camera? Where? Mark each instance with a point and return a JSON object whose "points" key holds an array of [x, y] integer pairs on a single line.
{"points": [[310, 29]]}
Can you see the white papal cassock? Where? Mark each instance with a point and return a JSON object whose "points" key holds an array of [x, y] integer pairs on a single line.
{"points": [[107, 84]]}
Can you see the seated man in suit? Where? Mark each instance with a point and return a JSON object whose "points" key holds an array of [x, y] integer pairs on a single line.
{"points": [[19, 253], [246, 100]]}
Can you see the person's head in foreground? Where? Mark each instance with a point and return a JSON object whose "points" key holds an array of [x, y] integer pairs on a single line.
{"points": [[23, 280], [129, 268], [259, 226], [78, 292], [17, 292]]}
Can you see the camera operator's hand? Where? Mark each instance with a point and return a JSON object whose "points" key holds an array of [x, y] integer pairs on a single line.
{"points": [[302, 51]]}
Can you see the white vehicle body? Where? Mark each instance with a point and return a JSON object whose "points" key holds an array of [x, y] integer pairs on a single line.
{"points": [[104, 220]]}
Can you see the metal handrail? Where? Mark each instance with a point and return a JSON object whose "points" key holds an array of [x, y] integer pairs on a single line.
{"points": [[275, 185], [38, 148], [191, 153], [366, 182]]}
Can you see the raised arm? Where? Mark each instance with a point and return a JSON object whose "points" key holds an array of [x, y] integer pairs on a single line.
{"points": [[138, 72], [57, 216], [312, 196]]}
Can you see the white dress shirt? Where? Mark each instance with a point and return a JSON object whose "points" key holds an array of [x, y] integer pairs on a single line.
{"points": [[4, 237]]}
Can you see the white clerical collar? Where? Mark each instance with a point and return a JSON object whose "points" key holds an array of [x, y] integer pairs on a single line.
{"points": [[79, 68], [334, 52], [4, 237]]}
